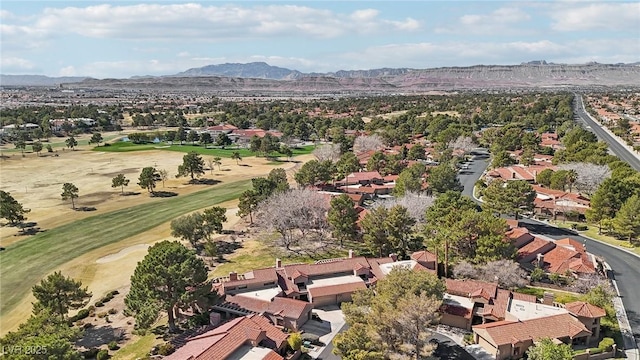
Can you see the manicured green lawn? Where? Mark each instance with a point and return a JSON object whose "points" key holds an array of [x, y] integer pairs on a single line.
{"points": [[125, 146], [26, 262]]}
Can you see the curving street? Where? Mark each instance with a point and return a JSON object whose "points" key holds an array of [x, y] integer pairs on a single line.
{"points": [[625, 266]]}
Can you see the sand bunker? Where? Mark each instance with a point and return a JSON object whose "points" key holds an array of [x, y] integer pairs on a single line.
{"points": [[122, 253]]}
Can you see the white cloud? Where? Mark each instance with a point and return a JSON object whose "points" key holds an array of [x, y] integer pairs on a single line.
{"points": [[496, 22], [15, 64], [217, 23], [597, 16]]}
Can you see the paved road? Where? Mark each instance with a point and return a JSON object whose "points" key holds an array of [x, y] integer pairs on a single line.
{"points": [[619, 150], [626, 267]]}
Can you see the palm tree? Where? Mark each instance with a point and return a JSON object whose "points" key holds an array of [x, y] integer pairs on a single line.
{"points": [[572, 176], [237, 157]]}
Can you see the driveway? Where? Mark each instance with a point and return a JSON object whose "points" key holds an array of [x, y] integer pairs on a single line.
{"points": [[331, 323]]}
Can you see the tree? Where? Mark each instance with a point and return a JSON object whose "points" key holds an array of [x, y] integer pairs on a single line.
{"points": [[443, 178], [71, 142], [347, 164], [559, 180], [415, 203], [464, 143], [627, 220], [501, 159], [199, 226], [374, 231], [20, 143], [313, 172], [121, 181], [512, 197], [58, 294], [69, 192], [330, 152], [148, 178], [387, 230], [163, 175], [544, 177], [193, 136], [236, 156], [295, 341], [96, 138], [217, 161], [507, 273], [278, 177], [417, 152], [36, 147], [298, 216], [167, 277], [366, 143], [342, 217], [377, 161], [192, 165], [409, 180], [11, 209], [396, 321], [42, 331], [589, 176], [286, 151], [248, 204], [223, 140], [546, 349], [205, 138]]}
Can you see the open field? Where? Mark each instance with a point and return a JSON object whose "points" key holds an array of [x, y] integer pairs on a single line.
{"points": [[123, 146], [99, 247]]}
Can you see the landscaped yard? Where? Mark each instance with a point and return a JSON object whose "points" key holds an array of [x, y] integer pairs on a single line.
{"points": [[126, 146], [26, 262], [592, 232]]}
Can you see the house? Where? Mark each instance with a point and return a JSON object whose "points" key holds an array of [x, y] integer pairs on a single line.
{"points": [[533, 249], [563, 259], [519, 172], [519, 236], [589, 315], [552, 203], [362, 178], [247, 337], [287, 293], [510, 339]]}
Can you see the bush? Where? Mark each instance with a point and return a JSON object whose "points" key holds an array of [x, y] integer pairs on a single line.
{"points": [[166, 349], [102, 314], [113, 346], [537, 274], [91, 353], [82, 314], [582, 227], [113, 311], [103, 355], [468, 339], [606, 344], [99, 304]]}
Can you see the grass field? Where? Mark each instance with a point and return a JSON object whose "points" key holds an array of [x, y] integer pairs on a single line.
{"points": [[58, 143], [125, 146], [26, 262]]}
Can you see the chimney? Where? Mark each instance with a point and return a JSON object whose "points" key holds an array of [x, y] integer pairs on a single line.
{"points": [[350, 254], [278, 263], [548, 298], [540, 258], [233, 276], [393, 257]]}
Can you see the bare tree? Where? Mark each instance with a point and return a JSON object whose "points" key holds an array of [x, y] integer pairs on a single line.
{"points": [[590, 176], [465, 270], [507, 273], [298, 216], [415, 203], [367, 143], [464, 143], [327, 152], [164, 175], [590, 281]]}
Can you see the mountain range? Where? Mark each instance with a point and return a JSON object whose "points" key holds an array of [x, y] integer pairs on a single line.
{"points": [[260, 76]]}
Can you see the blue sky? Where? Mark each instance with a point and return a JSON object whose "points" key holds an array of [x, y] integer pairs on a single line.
{"points": [[126, 38]]}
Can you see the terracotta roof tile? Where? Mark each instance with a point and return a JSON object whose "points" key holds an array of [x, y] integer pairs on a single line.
{"points": [[467, 287], [510, 332], [583, 309], [336, 289]]}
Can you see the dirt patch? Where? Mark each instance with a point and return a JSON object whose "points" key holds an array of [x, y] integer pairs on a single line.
{"points": [[126, 171]]}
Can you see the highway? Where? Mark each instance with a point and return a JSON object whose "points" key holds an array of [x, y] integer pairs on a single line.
{"points": [[625, 266], [619, 150]]}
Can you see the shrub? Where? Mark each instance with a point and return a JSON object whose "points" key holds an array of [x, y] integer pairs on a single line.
{"points": [[82, 314], [166, 349], [87, 326], [103, 355], [113, 346], [91, 353], [468, 339], [606, 344], [99, 304], [537, 274], [295, 341], [102, 314], [582, 227], [113, 311]]}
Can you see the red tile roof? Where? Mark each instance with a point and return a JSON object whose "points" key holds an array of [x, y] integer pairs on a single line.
{"points": [[285, 307], [561, 259], [336, 289], [512, 332], [223, 341], [468, 287], [583, 309], [534, 247]]}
